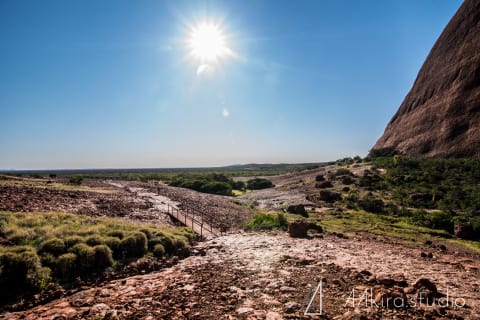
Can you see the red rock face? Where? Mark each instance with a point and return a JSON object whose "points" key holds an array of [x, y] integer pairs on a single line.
{"points": [[440, 116]]}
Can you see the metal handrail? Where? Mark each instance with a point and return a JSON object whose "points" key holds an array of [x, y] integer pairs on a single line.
{"points": [[175, 213]]}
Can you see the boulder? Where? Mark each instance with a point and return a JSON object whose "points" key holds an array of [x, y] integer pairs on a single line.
{"points": [[464, 231], [299, 228]]}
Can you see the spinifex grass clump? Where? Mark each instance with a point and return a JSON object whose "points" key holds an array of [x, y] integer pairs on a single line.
{"points": [[41, 249], [268, 221]]}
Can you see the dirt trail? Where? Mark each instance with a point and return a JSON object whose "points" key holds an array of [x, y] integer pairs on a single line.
{"points": [[266, 276], [166, 205]]}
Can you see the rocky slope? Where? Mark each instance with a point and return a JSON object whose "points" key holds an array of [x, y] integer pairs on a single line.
{"points": [[440, 116]]}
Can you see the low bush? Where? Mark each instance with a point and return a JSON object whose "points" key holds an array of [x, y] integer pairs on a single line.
{"points": [[66, 266], [268, 221], [179, 243], [239, 185], [86, 257], [76, 180], [54, 246], [103, 257], [329, 196], [65, 246], [73, 240], [116, 234], [324, 185], [347, 180], [259, 183], [158, 250], [343, 172], [115, 245], [134, 245], [18, 268], [371, 204], [94, 240]]}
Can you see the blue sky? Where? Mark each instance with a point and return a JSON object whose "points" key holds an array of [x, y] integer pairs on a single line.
{"points": [[95, 84]]}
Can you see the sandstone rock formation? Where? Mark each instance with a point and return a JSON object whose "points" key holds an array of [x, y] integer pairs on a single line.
{"points": [[440, 116]]}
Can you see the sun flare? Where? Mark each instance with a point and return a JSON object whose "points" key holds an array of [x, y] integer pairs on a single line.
{"points": [[207, 42]]}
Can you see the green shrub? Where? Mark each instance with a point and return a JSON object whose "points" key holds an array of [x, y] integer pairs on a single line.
{"points": [[165, 241], [440, 220], [372, 204], [66, 266], [73, 240], [266, 221], [239, 185], [18, 268], [20, 236], [54, 246], [187, 233], [259, 183], [347, 180], [147, 233], [86, 257], [158, 250], [115, 245], [179, 243], [324, 185], [329, 196], [103, 257], [94, 240], [134, 246], [115, 233], [48, 259], [342, 172], [77, 180]]}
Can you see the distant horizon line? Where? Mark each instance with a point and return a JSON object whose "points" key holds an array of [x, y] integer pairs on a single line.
{"points": [[4, 170]]}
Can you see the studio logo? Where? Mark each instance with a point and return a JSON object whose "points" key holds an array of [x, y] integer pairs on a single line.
{"points": [[314, 300]]}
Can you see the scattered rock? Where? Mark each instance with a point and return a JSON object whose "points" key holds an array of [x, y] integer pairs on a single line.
{"points": [[299, 228], [391, 298], [291, 307], [244, 310], [425, 283], [464, 231], [272, 315]]}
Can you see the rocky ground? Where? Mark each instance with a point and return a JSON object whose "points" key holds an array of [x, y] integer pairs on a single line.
{"points": [[124, 199], [272, 276], [255, 275]]}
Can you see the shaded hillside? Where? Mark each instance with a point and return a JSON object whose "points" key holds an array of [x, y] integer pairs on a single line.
{"points": [[440, 116]]}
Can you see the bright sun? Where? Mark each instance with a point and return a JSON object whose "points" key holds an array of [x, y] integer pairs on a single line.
{"points": [[207, 42]]}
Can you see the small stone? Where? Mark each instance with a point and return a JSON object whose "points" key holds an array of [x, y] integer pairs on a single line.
{"points": [[388, 282], [291, 307], [285, 289], [409, 290], [244, 310], [425, 283], [272, 315]]}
